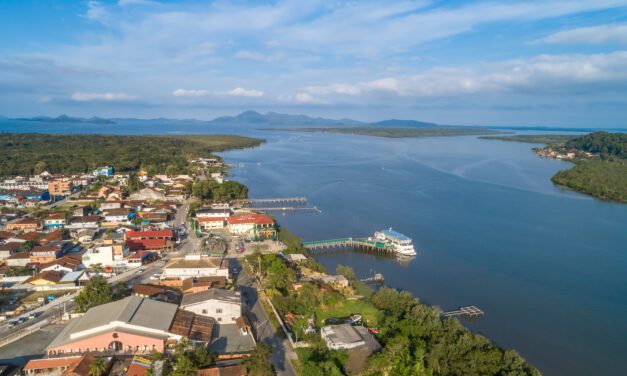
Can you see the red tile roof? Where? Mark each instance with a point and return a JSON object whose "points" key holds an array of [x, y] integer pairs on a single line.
{"points": [[257, 219], [211, 219], [36, 364], [146, 244], [149, 234]]}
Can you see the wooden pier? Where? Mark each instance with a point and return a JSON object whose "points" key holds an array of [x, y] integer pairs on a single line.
{"points": [[290, 209], [271, 201], [470, 312]]}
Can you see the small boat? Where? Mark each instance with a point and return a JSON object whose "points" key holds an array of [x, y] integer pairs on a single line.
{"points": [[401, 244]]}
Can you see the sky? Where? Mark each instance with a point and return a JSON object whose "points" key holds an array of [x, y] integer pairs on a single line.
{"points": [[541, 63]]}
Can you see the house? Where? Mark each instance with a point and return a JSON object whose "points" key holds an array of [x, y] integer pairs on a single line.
{"points": [[108, 205], [64, 366], [55, 220], [75, 279], [212, 213], [117, 215], [43, 254], [210, 223], [105, 255], [338, 281], [87, 221], [148, 194], [132, 325], [53, 236], [254, 226], [149, 234], [103, 171], [140, 258], [82, 211], [60, 187], [296, 258], [26, 224], [44, 280], [19, 260], [157, 245], [194, 266], [238, 370], [347, 336], [9, 249], [192, 285], [86, 235], [225, 306], [147, 291], [65, 264]]}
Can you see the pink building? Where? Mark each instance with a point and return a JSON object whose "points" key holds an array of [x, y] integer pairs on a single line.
{"points": [[130, 326]]}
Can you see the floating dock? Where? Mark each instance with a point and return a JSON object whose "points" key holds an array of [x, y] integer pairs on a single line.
{"points": [[470, 312], [290, 209], [276, 200]]}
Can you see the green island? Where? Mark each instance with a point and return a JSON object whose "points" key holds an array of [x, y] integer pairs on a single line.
{"points": [[416, 132], [31, 153], [415, 339], [600, 161]]}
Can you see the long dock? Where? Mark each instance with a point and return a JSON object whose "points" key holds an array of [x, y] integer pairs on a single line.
{"points": [[344, 243], [276, 200], [290, 209], [470, 311]]}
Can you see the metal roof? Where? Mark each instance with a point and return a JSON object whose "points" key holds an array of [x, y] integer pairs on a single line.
{"points": [[211, 294], [396, 235]]}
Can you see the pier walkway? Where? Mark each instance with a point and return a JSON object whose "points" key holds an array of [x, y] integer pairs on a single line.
{"points": [[470, 311], [343, 243], [277, 200]]}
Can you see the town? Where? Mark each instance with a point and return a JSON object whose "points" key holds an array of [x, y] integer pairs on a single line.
{"points": [[139, 273]]}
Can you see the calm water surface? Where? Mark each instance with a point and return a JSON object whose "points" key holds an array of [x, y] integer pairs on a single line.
{"points": [[548, 266]]}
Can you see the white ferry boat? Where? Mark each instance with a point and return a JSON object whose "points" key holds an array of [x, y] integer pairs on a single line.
{"points": [[401, 243]]}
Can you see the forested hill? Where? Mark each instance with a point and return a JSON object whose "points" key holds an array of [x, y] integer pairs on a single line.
{"points": [[25, 154], [606, 145]]}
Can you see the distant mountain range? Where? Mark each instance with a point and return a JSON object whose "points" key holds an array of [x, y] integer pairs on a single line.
{"points": [[67, 119], [247, 117]]}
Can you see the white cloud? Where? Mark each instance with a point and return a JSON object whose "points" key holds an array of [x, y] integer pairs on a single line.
{"points": [[540, 75], [190, 93], [590, 35], [109, 97], [301, 98], [242, 92], [236, 92]]}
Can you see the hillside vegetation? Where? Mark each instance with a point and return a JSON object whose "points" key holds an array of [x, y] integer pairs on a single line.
{"points": [[25, 154]]}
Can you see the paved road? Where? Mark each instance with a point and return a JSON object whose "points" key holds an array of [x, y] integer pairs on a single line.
{"points": [[264, 330]]}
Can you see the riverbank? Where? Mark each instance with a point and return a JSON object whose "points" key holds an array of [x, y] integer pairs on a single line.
{"points": [[393, 132], [600, 163]]}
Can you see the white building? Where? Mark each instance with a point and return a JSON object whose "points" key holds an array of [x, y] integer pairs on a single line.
{"points": [[212, 213], [194, 266], [106, 255], [211, 223], [225, 306], [346, 336]]}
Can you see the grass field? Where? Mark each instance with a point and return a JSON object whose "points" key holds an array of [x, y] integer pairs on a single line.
{"points": [[345, 308]]}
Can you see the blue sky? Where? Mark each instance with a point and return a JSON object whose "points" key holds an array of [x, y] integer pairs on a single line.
{"points": [[554, 62]]}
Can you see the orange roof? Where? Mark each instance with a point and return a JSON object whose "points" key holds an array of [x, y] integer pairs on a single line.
{"points": [[136, 369], [257, 219], [51, 363], [211, 219], [149, 234]]}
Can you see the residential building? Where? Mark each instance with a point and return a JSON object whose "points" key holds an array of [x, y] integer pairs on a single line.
{"points": [[55, 220], [130, 326], [253, 226], [195, 266], [149, 234], [26, 224], [105, 255], [64, 366], [338, 281], [103, 171], [117, 215], [192, 285], [20, 259], [87, 221], [65, 264], [60, 187], [44, 254], [148, 194], [224, 306], [210, 223], [347, 336], [238, 370], [212, 213], [82, 211], [9, 249]]}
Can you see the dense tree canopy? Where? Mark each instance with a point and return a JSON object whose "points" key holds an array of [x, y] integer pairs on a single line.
{"points": [[607, 145], [94, 293], [212, 190], [25, 154]]}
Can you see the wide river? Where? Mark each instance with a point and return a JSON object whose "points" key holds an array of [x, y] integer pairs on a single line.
{"points": [[548, 266]]}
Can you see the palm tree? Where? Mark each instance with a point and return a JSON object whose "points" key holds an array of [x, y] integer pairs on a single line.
{"points": [[98, 367]]}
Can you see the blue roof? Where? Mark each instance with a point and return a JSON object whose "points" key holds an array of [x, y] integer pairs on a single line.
{"points": [[393, 234]]}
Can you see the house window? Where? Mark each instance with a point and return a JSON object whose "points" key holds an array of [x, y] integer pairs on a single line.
{"points": [[219, 318], [218, 310], [204, 311]]}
